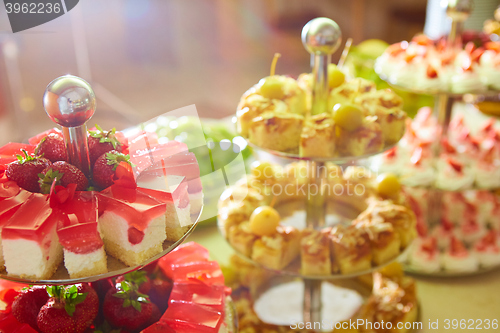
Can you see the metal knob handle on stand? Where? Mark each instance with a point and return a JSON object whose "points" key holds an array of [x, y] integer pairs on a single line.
{"points": [[321, 37], [70, 102]]}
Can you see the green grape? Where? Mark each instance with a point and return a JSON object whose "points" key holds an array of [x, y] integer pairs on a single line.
{"points": [[272, 88], [335, 76], [348, 116]]}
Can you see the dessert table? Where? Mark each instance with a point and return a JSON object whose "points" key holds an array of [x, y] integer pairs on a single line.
{"points": [[473, 297]]}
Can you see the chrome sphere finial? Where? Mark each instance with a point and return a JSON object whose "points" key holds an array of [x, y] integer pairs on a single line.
{"points": [[69, 101], [321, 36], [458, 10]]}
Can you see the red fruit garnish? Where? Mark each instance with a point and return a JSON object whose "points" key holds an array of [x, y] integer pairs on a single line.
{"points": [[410, 57], [457, 166], [101, 142], [489, 240], [431, 72], [457, 247], [469, 47], [9, 189], [52, 147], [430, 245], [476, 54], [448, 148], [422, 40], [495, 46], [69, 309], [395, 49], [160, 292], [105, 167], [28, 303], [391, 153], [65, 174], [446, 224], [466, 64], [25, 171], [125, 307], [416, 157]]}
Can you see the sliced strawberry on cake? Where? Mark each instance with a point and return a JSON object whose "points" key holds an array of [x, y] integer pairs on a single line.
{"points": [[78, 231], [425, 256], [458, 259], [487, 249], [29, 240]]}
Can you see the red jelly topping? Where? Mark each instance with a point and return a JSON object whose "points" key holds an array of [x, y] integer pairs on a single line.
{"points": [[137, 207], [203, 270], [13, 148], [9, 206], [198, 292], [33, 220], [189, 317]]}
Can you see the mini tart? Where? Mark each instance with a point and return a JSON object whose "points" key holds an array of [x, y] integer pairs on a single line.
{"points": [[277, 131], [241, 238], [253, 104], [237, 204], [279, 250], [318, 137], [367, 139], [315, 253], [401, 218], [349, 91], [350, 249], [384, 241]]}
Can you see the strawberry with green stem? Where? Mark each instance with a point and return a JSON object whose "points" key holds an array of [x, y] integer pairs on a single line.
{"points": [[65, 174], [106, 165], [126, 307], [69, 309], [27, 304], [100, 142], [25, 171]]}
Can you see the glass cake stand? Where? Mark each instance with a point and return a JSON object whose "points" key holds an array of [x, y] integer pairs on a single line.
{"points": [[444, 101], [321, 37]]}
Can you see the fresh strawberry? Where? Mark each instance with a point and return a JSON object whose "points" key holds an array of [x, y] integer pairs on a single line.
{"points": [[457, 166], [69, 309], [431, 72], [160, 292], [105, 167], [25, 171], [139, 278], [28, 303], [52, 147], [65, 173], [101, 142], [125, 307]]}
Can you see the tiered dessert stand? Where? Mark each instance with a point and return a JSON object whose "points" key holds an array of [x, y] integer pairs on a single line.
{"points": [[70, 102], [321, 37], [457, 12]]}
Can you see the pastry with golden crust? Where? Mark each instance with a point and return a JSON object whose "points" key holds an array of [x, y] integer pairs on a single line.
{"points": [[350, 249], [315, 253], [318, 137], [279, 250], [277, 131], [367, 139]]}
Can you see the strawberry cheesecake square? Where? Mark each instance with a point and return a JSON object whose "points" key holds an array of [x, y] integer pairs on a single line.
{"points": [[11, 198], [132, 223], [173, 191], [79, 235], [30, 243]]}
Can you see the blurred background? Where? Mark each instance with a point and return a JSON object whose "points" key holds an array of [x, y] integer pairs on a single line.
{"points": [[146, 57]]}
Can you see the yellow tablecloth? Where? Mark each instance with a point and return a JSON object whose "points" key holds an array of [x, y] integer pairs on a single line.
{"points": [[475, 297]]}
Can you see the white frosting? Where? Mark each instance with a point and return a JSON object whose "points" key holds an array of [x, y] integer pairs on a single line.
{"points": [[422, 260], [451, 180], [464, 264], [418, 175]]}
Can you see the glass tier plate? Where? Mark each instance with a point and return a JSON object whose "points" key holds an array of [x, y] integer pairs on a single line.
{"points": [[446, 274], [450, 94], [333, 159]]}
